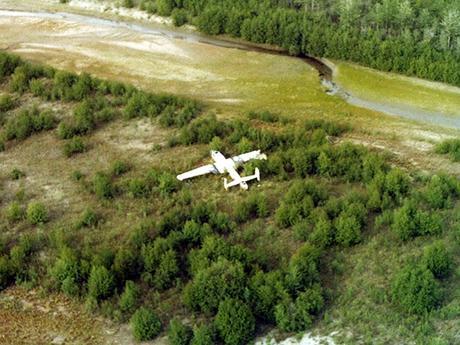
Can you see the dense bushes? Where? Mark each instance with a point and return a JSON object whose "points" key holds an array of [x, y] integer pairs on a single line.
{"points": [[74, 146], [416, 290], [145, 324], [296, 316], [222, 279], [179, 334], [438, 260], [235, 322], [410, 221], [28, 122], [100, 283]]}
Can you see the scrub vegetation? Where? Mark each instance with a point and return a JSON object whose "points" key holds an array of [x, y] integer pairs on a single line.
{"points": [[208, 267]]}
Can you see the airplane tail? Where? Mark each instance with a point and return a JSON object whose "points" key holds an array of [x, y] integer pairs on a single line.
{"points": [[242, 181]]}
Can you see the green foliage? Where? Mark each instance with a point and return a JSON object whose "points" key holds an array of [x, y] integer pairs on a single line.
{"points": [[438, 260], [221, 280], [128, 3], [202, 130], [179, 17], [6, 103], [299, 201], [16, 174], [267, 289], [102, 186], [235, 322], [160, 262], [297, 316], [6, 272], [409, 221], [129, 299], [120, 168], [101, 283], [126, 264], [178, 333], [202, 335], [145, 324], [264, 116], [37, 213], [415, 290], [303, 268], [349, 224], [74, 146], [67, 272], [441, 190], [165, 7], [449, 147], [15, 212], [88, 219], [254, 206], [28, 122]]}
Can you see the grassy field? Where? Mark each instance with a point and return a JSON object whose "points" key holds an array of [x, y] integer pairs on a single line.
{"points": [[392, 88]]}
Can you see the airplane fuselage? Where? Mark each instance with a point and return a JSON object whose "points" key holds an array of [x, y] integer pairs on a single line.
{"points": [[227, 165]]}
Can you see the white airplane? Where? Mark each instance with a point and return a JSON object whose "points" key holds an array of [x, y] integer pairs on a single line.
{"points": [[227, 165]]}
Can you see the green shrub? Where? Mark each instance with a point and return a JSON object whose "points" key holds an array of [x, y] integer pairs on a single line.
{"points": [[235, 322], [88, 219], [264, 116], [102, 186], [28, 122], [120, 167], [409, 221], [15, 212], [74, 146], [416, 290], [221, 280], [129, 299], [179, 17], [38, 88], [267, 289], [6, 103], [323, 232], [67, 272], [303, 267], [348, 230], [100, 283], [145, 324], [203, 335], [37, 213], [298, 316], [128, 3], [449, 147], [6, 273], [167, 270], [165, 7], [438, 260], [16, 174], [441, 190], [255, 205], [178, 333]]}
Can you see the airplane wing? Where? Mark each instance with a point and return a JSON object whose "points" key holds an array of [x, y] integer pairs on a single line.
{"points": [[207, 169], [245, 157]]}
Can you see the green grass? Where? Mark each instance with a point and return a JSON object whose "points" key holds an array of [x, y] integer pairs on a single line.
{"points": [[389, 88]]}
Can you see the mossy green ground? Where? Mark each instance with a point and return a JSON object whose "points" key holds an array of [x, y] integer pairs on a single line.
{"points": [[390, 88]]}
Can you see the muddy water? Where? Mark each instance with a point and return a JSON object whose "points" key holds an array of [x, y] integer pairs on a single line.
{"points": [[325, 72]]}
